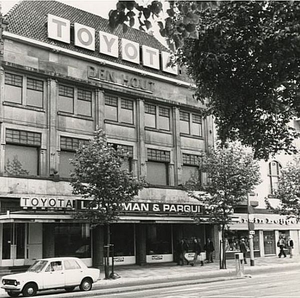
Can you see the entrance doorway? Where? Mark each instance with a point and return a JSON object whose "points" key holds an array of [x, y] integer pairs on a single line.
{"points": [[269, 243], [13, 244]]}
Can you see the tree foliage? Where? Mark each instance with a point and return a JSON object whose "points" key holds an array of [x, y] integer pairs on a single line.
{"points": [[288, 192], [232, 173], [244, 57], [99, 178]]}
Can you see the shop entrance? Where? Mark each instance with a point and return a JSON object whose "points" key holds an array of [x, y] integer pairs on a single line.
{"points": [[13, 244], [269, 243]]}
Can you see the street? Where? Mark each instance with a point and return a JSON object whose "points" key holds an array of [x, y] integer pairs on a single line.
{"points": [[284, 284], [280, 284]]}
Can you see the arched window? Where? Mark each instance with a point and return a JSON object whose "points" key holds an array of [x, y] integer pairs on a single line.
{"points": [[274, 173]]}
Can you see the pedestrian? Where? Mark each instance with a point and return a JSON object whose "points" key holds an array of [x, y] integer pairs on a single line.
{"points": [[281, 244], [209, 248], [197, 252], [244, 249], [290, 245], [182, 248]]}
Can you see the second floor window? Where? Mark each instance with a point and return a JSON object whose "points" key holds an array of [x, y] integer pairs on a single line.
{"points": [[190, 124], [24, 90], [68, 147], [22, 153], [127, 152], [190, 168], [119, 109], [75, 101]]}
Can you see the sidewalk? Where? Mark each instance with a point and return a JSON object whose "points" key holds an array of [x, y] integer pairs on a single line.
{"points": [[161, 273]]}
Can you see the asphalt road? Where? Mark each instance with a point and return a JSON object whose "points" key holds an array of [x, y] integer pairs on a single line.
{"points": [[279, 285], [276, 285]]}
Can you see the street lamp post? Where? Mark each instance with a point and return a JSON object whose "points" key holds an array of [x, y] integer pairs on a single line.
{"points": [[251, 230]]}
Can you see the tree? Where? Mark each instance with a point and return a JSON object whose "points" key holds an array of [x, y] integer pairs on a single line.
{"points": [[100, 180], [288, 192], [244, 57], [232, 173]]}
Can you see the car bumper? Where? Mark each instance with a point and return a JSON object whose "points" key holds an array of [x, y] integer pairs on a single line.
{"points": [[11, 288]]}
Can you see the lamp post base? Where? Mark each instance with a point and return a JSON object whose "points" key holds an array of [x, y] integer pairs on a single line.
{"points": [[251, 262]]}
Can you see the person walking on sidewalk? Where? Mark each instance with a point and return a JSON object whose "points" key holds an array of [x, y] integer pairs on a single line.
{"points": [[290, 245], [281, 244], [182, 248], [209, 248], [197, 252], [244, 249]]}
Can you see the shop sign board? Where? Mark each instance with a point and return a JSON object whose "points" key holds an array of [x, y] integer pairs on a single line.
{"points": [[165, 208], [47, 202], [85, 37]]}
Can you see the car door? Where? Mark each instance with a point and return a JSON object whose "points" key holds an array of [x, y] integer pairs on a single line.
{"points": [[54, 275], [73, 272]]}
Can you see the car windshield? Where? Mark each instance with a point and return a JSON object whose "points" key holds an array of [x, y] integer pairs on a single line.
{"points": [[37, 266]]}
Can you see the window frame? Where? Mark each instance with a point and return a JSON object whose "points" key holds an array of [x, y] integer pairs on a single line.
{"points": [[76, 100], [273, 176], [24, 87], [192, 118], [157, 111], [120, 103]]}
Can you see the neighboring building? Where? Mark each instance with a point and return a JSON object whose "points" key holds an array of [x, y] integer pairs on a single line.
{"points": [[64, 74], [267, 226]]}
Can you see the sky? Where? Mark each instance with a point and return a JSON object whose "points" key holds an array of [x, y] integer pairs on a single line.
{"points": [[98, 7]]}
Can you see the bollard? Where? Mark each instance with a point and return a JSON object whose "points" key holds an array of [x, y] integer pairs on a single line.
{"points": [[239, 264]]}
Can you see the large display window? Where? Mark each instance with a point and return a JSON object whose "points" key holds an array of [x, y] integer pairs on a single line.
{"points": [[72, 240], [233, 239], [159, 239], [122, 236]]}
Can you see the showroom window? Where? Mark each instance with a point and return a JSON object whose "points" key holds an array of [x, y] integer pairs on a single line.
{"points": [[22, 153], [68, 147], [157, 117], [190, 124], [274, 173], [122, 236], [119, 109], [190, 168], [158, 167], [158, 239], [76, 101], [24, 90], [127, 152], [72, 240]]}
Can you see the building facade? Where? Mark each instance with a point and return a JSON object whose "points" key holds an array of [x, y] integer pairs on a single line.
{"points": [[64, 74]]}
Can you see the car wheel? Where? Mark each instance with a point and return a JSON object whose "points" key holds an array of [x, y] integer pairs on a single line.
{"points": [[13, 294], [69, 289], [29, 290], [86, 284]]}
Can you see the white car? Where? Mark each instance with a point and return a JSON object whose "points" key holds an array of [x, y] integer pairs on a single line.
{"points": [[52, 273]]}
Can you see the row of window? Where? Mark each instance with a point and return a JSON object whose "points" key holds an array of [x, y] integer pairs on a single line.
{"points": [[19, 164], [78, 101]]}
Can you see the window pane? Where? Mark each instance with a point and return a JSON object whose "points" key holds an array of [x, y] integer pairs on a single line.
{"points": [[150, 120], [196, 129], [34, 98], [65, 166], [126, 116], [164, 123], [188, 172], [84, 108], [66, 104], [21, 160], [111, 113], [13, 94], [158, 239], [157, 173]]}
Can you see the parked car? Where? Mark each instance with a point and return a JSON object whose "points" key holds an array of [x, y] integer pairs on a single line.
{"points": [[52, 273]]}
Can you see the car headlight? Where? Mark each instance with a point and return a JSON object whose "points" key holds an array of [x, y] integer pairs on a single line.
{"points": [[16, 283], [3, 281]]}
